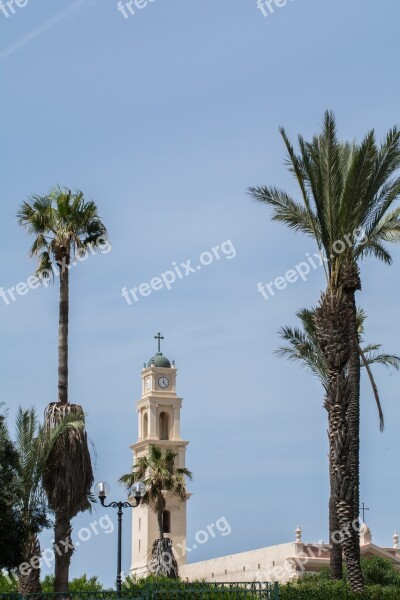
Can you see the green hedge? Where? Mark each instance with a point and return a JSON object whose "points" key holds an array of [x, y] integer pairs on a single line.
{"points": [[382, 582], [332, 590]]}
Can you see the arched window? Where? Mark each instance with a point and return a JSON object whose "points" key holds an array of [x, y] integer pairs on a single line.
{"points": [[145, 426], [166, 521], [163, 424]]}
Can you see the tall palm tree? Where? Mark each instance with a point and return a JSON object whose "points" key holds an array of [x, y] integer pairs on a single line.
{"points": [[64, 224], [302, 348], [347, 196], [34, 444], [162, 479]]}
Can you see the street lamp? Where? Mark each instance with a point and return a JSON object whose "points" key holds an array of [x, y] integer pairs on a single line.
{"points": [[102, 491]]}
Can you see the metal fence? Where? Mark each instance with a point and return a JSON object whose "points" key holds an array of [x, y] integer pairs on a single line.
{"points": [[173, 591], [215, 591]]}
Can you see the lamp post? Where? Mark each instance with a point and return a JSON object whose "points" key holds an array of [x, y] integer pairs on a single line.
{"points": [[102, 491]]}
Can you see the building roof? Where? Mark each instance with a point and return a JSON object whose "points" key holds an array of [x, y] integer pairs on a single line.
{"points": [[159, 360]]}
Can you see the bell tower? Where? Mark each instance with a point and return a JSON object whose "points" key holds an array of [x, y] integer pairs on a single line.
{"points": [[159, 419]]}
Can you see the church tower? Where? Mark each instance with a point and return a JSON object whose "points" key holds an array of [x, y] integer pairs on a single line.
{"points": [[159, 418]]}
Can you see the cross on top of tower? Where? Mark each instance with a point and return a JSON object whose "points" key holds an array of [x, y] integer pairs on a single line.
{"points": [[159, 360], [363, 509], [159, 337]]}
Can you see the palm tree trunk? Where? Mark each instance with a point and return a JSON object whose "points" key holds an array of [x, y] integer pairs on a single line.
{"points": [[63, 550], [336, 552], [343, 483], [352, 283], [160, 513], [332, 318], [62, 528], [333, 405], [30, 583], [63, 331], [354, 415]]}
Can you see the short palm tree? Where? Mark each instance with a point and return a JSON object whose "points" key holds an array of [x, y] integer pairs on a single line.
{"points": [[302, 348], [34, 444], [348, 193], [64, 224], [162, 479]]}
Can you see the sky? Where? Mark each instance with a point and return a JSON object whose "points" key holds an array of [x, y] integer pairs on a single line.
{"points": [[165, 118]]}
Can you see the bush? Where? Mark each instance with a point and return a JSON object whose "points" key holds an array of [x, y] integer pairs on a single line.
{"points": [[79, 584], [377, 570], [320, 589], [8, 585], [382, 582], [185, 590]]}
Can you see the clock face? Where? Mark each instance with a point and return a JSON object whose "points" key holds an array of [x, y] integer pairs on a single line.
{"points": [[163, 382], [148, 383]]}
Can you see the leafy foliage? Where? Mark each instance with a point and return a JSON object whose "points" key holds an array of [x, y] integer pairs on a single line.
{"points": [[34, 444], [381, 579], [8, 584], [79, 584], [378, 570], [302, 346], [63, 222], [163, 587], [336, 590], [23, 489], [10, 492], [160, 475], [344, 189]]}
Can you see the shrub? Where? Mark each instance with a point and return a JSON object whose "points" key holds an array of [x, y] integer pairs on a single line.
{"points": [[79, 584], [320, 589], [8, 585], [377, 570]]}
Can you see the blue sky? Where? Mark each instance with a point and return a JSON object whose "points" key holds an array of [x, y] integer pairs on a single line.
{"points": [[165, 119]]}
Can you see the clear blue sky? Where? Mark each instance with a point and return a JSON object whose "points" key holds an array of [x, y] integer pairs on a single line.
{"points": [[165, 119]]}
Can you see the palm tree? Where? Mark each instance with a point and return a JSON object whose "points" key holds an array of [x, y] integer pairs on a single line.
{"points": [[162, 479], [347, 197], [302, 348], [64, 225], [34, 444]]}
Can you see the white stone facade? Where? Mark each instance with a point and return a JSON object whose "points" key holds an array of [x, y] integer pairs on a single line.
{"points": [[282, 563]]}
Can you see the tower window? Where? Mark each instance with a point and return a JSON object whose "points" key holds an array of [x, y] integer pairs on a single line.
{"points": [[145, 426], [166, 521], [163, 426]]}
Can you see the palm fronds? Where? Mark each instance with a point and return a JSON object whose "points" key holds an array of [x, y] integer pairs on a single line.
{"points": [[162, 479], [302, 348]]}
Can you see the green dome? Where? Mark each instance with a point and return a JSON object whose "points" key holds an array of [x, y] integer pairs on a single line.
{"points": [[159, 360]]}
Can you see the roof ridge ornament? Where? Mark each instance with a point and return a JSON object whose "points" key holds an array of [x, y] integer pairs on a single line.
{"points": [[396, 540], [298, 533]]}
